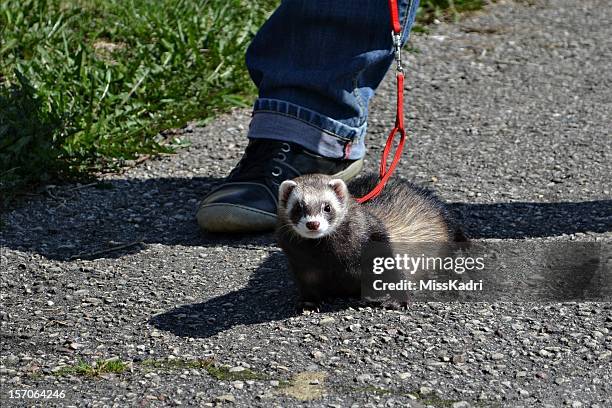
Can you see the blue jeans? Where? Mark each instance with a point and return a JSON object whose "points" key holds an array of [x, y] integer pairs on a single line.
{"points": [[317, 64]]}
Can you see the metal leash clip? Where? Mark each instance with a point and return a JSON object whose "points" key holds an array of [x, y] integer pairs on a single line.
{"points": [[397, 50]]}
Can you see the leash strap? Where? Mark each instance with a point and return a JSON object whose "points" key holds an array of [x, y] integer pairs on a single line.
{"points": [[384, 173]]}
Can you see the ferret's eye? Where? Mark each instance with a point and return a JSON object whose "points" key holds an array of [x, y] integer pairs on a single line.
{"points": [[326, 207]]}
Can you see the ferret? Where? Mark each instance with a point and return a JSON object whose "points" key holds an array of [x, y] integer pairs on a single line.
{"points": [[322, 229]]}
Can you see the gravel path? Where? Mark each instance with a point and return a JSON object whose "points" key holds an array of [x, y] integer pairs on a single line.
{"points": [[509, 112]]}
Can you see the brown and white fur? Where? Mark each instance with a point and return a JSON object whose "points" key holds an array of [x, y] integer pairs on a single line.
{"points": [[322, 229]]}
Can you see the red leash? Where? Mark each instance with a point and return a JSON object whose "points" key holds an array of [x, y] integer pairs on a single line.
{"points": [[385, 173]]}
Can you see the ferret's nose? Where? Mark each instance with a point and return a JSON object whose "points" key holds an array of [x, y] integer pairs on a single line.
{"points": [[312, 225]]}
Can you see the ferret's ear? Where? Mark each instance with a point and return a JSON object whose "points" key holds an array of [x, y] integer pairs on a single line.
{"points": [[285, 189], [340, 189]]}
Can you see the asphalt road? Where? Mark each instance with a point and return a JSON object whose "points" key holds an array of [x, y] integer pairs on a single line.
{"points": [[509, 119]]}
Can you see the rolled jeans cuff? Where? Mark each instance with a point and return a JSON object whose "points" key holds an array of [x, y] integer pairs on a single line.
{"points": [[282, 120]]}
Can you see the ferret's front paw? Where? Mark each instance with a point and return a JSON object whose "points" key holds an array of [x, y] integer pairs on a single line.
{"points": [[389, 303], [392, 304], [308, 307]]}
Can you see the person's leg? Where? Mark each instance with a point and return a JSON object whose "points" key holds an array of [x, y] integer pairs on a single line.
{"points": [[316, 65]]}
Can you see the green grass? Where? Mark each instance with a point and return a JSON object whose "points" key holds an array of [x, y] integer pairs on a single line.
{"points": [[178, 364], [93, 370], [100, 367], [86, 85], [430, 10], [223, 373]]}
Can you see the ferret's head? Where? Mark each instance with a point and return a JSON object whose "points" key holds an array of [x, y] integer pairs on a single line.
{"points": [[312, 205]]}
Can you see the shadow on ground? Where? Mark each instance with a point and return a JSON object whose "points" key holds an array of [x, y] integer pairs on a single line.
{"points": [[564, 272], [266, 298], [89, 222], [534, 220], [269, 296]]}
